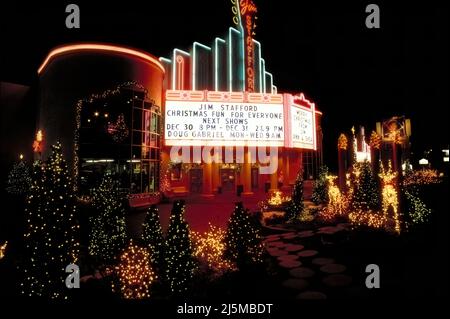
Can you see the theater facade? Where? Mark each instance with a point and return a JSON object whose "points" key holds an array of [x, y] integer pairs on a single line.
{"points": [[207, 119]]}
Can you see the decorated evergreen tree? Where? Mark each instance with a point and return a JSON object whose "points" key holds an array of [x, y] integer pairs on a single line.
{"points": [[366, 194], [243, 239], [108, 229], [296, 205], [417, 211], [52, 230], [320, 189], [152, 237], [180, 264], [19, 179], [34, 237]]}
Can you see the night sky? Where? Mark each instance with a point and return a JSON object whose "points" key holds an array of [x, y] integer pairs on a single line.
{"points": [[356, 76]]}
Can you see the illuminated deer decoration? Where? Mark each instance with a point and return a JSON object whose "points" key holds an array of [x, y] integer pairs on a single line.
{"points": [[335, 198]]}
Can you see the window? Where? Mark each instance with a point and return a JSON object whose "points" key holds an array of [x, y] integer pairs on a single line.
{"points": [[120, 134]]}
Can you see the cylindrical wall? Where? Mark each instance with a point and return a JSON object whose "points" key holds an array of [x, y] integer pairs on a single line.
{"points": [[70, 74]]}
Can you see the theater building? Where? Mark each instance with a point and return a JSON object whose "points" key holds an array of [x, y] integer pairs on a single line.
{"points": [[145, 120]]}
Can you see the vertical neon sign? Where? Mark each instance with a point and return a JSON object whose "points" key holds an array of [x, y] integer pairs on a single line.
{"points": [[245, 13], [248, 15]]}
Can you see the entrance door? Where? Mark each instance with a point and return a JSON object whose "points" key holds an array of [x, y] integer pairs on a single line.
{"points": [[196, 180], [227, 177]]}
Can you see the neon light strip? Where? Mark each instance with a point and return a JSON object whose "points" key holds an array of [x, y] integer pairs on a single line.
{"points": [[169, 64], [216, 63], [99, 47], [238, 6], [263, 72], [244, 82], [174, 65], [165, 60], [274, 89], [230, 52], [313, 109], [271, 80], [259, 50], [180, 70], [194, 59], [287, 101], [242, 33]]}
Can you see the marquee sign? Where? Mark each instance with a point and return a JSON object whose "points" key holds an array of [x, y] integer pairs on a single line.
{"points": [[201, 118], [301, 124]]}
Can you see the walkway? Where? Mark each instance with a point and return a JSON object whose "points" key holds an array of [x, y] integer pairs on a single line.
{"points": [[200, 211]]}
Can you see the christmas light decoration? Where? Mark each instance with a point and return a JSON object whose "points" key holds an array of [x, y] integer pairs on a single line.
{"points": [[342, 142], [19, 179], [278, 199], [33, 280], [39, 136], [275, 199], [107, 228], [51, 229], [368, 218], [243, 241], [375, 140], [422, 177], [338, 203], [296, 206], [366, 195], [356, 172], [306, 216], [152, 236], [209, 248], [118, 130], [79, 106], [335, 198], [348, 180], [417, 210], [38, 142], [320, 188], [165, 186], [135, 273], [3, 250], [390, 195], [179, 262]]}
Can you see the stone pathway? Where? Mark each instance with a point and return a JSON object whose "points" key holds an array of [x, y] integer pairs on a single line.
{"points": [[306, 273]]}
